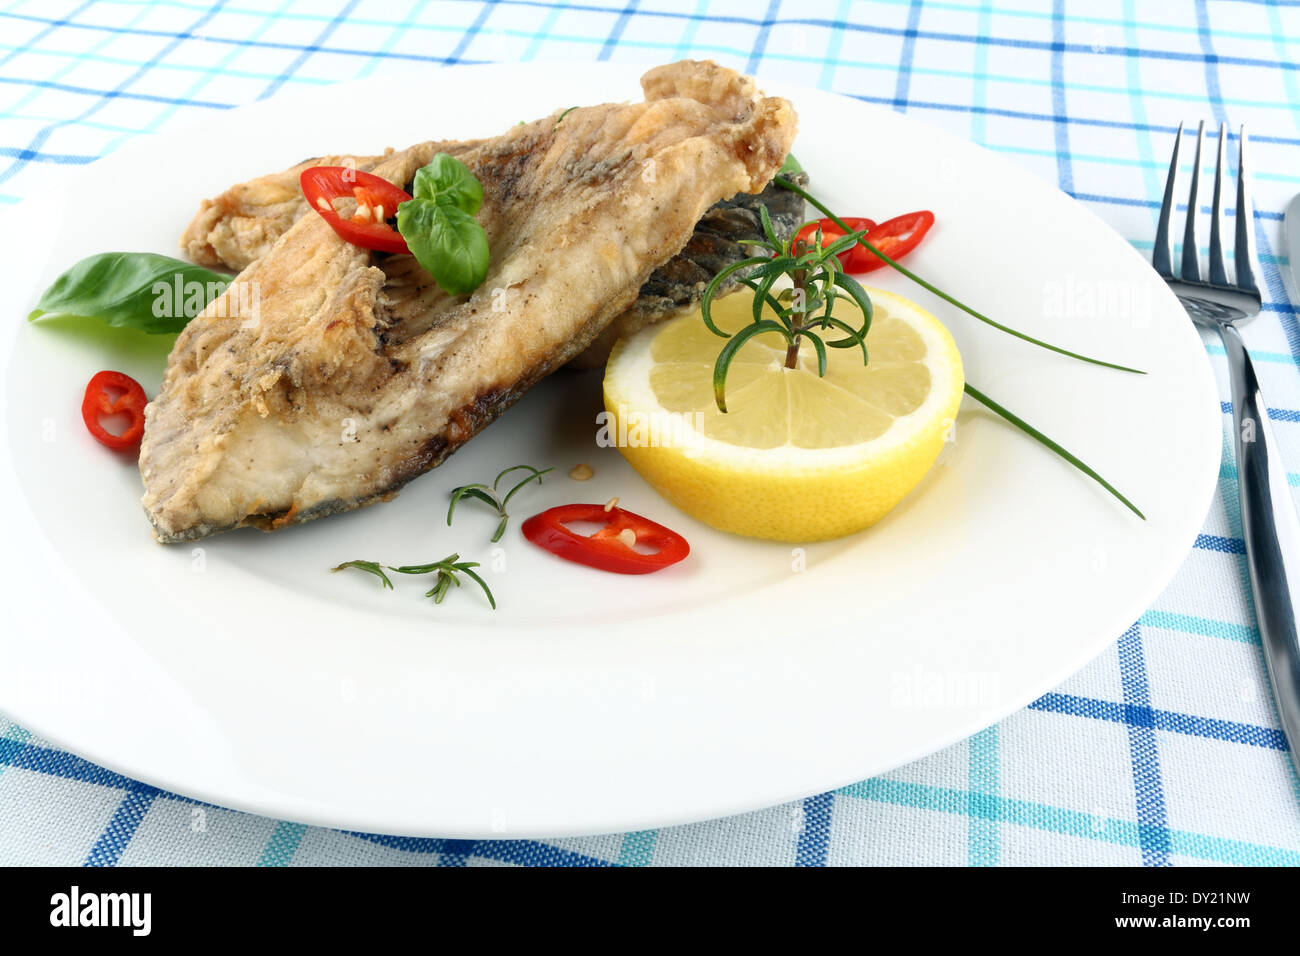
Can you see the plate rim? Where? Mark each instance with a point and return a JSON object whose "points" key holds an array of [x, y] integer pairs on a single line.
{"points": [[294, 808]]}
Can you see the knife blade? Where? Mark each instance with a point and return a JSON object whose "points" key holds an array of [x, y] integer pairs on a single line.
{"points": [[1291, 238]]}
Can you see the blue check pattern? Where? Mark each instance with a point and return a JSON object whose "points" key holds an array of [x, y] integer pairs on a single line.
{"points": [[1163, 751]]}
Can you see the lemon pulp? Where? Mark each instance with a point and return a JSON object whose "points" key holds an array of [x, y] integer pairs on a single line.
{"points": [[797, 456]]}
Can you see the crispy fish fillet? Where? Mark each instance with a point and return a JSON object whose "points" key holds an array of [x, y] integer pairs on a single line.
{"points": [[326, 377], [241, 225]]}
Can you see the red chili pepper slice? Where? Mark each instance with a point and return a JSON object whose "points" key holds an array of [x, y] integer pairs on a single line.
{"points": [[606, 549], [323, 184], [853, 260], [894, 237], [897, 237], [100, 400]]}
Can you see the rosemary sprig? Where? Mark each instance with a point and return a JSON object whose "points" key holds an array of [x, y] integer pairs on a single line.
{"points": [[815, 274], [812, 200], [491, 494], [447, 569], [1042, 439], [370, 567]]}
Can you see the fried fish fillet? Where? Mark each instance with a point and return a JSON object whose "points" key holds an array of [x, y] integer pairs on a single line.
{"points": [[326, 377], [239, 226]]}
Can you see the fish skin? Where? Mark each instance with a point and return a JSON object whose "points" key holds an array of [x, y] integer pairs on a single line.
{"points": [[678, 285], [354, 379]]}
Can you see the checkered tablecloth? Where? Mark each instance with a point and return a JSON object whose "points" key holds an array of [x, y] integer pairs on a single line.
{"points": [[1165, 750]]}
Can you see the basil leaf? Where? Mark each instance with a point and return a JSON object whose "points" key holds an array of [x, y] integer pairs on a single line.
{"points": [[448, 181], [439, 226], [447, 241], [791, 165], [133, 290]]}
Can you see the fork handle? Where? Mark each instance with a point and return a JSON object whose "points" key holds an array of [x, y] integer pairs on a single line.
{"points": [[1272, 533]]}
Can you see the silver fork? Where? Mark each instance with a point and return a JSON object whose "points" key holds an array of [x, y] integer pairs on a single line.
{"points": [[1268, 515]]}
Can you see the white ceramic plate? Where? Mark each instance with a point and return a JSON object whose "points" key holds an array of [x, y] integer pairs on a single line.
{"points": [[241, 672]]}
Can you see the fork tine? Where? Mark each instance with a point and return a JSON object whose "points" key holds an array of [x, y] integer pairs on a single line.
{"points": [[1218, 266], [1244, 253], [1162, 256], [1191, 244]]}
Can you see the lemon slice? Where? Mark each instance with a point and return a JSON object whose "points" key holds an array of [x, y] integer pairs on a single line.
{"points": [[796, 457]]}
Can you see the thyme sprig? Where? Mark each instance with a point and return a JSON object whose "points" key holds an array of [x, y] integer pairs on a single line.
{"points": [[815, 274], [446, 570], [491, 494]]}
